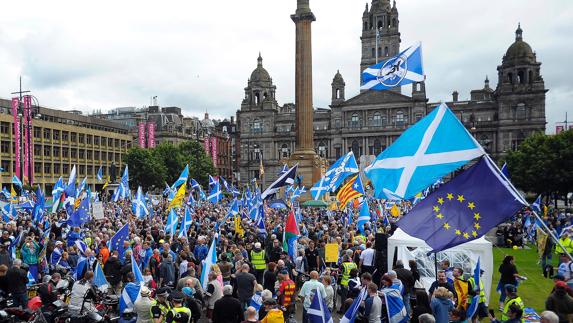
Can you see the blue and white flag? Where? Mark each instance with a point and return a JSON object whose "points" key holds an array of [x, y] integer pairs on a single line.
{"points": [[130, 294], [216, 194], [225, 184], [57, 193], [283, 170], [352, 311], [435, 146], [505, 171], [183, 177], [125, 184], [82, 187], [319, 188], [212, 181], [172, 222], [536, 206], [137, 275], [363, 216], [81, 246], [235, 191], [99, 278], [167, 190], [395, 306], [283, 180], [138, 206], [31, 279], [472, 309], [71, 187], [261, 229], [403, 69], [186, 224], [318, 311], [16, 181], [195, 184], [298, 192], [209, 261], [233, 210], [100, 174]]}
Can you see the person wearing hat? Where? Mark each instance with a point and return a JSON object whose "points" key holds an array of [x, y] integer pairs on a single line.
{"points": [[228, 309], [179, 313], [559, 277], [192, 303], [160, 306], [142, 306], [511, 299], [560, 302], [258, 261]]}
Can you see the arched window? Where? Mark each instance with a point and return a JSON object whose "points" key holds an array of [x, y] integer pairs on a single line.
{"points": [[264, 95], [365, 25], [379, 23], [257, 153], [257, 126], [257, 98], [322, 149], [386, 51], [530, 77], [338, 93], [373, 52], [377, 120], [355, 148], [399, 118], [377, 147], [354, 121], [379, 51], [284, 151], [520, 77]]}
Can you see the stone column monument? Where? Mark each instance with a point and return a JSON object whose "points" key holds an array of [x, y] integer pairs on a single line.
{"points": [[307, 159]]}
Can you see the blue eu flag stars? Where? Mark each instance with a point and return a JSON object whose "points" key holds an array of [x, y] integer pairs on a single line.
{"points": [[463, 209]]}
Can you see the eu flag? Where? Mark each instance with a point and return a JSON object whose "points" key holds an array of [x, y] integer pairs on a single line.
{"points": [[81, 215], [463, 209], [116, 242]]}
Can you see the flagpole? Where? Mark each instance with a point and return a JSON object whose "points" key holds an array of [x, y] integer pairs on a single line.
{"points": [[545, 227]]}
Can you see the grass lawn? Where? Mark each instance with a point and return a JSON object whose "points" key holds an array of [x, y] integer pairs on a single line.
{"points": [[535, 289]]}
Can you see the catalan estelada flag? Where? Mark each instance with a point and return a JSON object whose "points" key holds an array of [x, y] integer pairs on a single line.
{"points": [[351, 190]]}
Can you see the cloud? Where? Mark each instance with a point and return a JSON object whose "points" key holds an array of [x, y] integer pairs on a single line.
{"points": [[198, 55]]}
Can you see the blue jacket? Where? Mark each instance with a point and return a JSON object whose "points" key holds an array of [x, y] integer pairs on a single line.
{"points": [[441, 307]]}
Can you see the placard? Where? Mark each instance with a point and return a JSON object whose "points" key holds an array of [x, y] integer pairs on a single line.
{"points": [[98, 211], [331, 252]]}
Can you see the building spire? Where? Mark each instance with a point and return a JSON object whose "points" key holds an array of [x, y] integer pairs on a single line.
{"points": [[518, 32], [260, 60], [486, 83]]}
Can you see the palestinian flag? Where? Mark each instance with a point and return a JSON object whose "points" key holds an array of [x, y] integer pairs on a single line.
{"points": [[291, 234]]}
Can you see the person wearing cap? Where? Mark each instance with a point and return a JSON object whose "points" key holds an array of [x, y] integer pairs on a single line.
{"points": [[179, 313], [142, 306], [160, 306], [258, 261], [56, 255], [511, 299], [560, 302], [192, 303], [228, 309]]}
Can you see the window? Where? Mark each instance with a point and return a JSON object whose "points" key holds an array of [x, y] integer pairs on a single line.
{"points": [[285, 152], [6, 165], [117, 158], [90, 139], [82, 169], [65, 153], [82, 153], [103, 155], [89, 154], [56, 168], [520, 111], [386, 51], [5, 128], [377, 120], [96, 140], [354, 121], [257, 126], [47, 134], [74, 137], [337, 123], [82, 138], [109, 142], [379, 25], [56, 134], [65, 168], [37, 150], [96, 155], [37, 132], [355, 148], [257, 154], [56, 151], [399, 118], [65, 136], [5, 148], [47, 168], [90, 170], [116, 143], [74, 153], [37, 168], [47, 151], [418, 116], [377, 147], [373, 52], [322, 150], [338, 152]]}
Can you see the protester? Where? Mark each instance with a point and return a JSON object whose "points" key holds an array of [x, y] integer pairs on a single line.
{"points": [[228, 309], [560, 302], [441, 305], [422, 306]]}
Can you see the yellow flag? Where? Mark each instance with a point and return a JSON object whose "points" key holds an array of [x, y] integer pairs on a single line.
{"points": [[179, 196], [106, 183], [261, 169], [239, 226], [13, 198], [395, 211]]}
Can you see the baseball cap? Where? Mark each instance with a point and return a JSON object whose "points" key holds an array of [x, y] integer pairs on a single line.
{"points": [[559, 277], [177, 296], [561, 284], [163, 291]]}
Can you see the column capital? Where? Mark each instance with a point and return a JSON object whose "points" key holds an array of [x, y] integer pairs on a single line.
{"points": [[302, 16]]}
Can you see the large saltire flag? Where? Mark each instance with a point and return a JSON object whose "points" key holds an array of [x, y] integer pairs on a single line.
{"points": [[291, 234], [435, 146], [318, 311], [465, 208], [335, 175], [183, 177], [100, 174], [402, 69], [351, 190], [172, 222], [186, 224], [363, 216], [138, 206], [179, 197], [57, 192], [209, 261], [216, 193]]}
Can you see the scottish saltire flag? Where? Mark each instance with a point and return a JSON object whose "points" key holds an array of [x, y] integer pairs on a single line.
{"points": [[82, 187], [318, 311], [138, 206], [210, 260], [129, 295], [5, 193], [319, 188], [435, 146], [465, 208], [99, 278], [283, 180], [235, 191], [402, 69], [191, 200], [363, 217], [225, 184], [38, 212], [183, 177], [195, 184], [167, 190], [216, 194], [71, 187], [283, 170], [536, 206], [341, 169], [352, 311], [505, 171], [212, 181], [395, 306], [81, 246], [116, 242], [16, 181], [298, 192], [57, 193], [80, 269], [136, 271], [125, 193], [186, 224], [202, 195], [31, 279], [100, 174], [172, 222], [261, 229], [254, 204], [472, 309], [233, 210]]}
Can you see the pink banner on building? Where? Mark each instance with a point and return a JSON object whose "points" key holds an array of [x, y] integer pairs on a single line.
{"points": [[558, 129], [28, 145], [141, 134], [207, 142], [150, 135], [15, 104], [214, 154]]}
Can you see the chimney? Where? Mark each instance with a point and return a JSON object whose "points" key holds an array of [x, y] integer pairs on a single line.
{"points": [[455, 95]]}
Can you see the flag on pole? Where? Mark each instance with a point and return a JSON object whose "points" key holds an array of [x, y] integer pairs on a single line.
{"points": [[283, 180], [183, 177], [136, 271], [402, 69], [99, 278], [216, 194], [209, 261], [349, 191], [395, 308], [172, 222], [363, 217], [352, 311], [100, 174], [178, 199], [261, 169], [186, 224], [435, 146], [138, 205], [536, 206], [318, 311], [291, 234], [116, 242]]}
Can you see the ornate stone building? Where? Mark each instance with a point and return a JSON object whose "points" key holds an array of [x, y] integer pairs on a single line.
{"points": [[500, 117]]}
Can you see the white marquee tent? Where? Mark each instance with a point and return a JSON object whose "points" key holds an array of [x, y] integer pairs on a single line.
{"points": [[465, 256]]}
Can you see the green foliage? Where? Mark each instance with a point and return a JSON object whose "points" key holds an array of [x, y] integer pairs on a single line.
{"points": [[543, 164], [164, 163]]}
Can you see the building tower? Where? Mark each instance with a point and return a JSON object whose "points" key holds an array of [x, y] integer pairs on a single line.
{"points": [[338, 86], [520, 94], [260, 91], [381, 19]]}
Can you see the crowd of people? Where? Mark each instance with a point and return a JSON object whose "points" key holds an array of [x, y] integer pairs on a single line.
{"points": [[254, 278]]}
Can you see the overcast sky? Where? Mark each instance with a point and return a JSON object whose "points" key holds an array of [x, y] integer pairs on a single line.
{"points": [[198, 54]]}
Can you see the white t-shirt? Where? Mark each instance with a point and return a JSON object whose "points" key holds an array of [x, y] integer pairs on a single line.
{"points": [[565, 270], [367, 257]]}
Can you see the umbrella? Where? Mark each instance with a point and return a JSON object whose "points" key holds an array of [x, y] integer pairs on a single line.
{"points": [[278, 204]]}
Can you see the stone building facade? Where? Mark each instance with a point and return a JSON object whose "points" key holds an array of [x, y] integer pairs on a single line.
{"points": [[499, 117]]}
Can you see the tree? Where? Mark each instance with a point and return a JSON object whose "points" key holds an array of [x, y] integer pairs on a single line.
{"points": [[170, 156], [200, 165], [543, 164], [144, 168]]}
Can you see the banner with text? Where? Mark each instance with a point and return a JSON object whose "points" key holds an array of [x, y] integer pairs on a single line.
{"points": [[15, 105], [151, 135], [28, 176], [141, 134], [214, 155]]}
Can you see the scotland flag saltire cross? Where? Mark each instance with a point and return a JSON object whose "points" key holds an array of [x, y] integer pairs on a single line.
{"points": [[194, 184], [71, 187], [100, 174], [536, 206], [81, 246], [216, 194], [402, 69], [321, 187], [318, 311], [186, 224], [31, 279], [395, 308], [212, 181], [209, 261], [261, 229], [352, 311], [436, 145], [283, 170], [172, 222], [475, 300], [129, 295], [38, 212], [116, 242], [233, 209], [16, 181], [283, 180], [99, 278], [202, 195], [183, 177], [57, 192], [137, 275], [363, 216], [465, 208], [166, 190], [138, 205], [82, 187], [505, 171], [341, 169], [225, 184], [235, 191], [298, 192], [125, 183]]}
